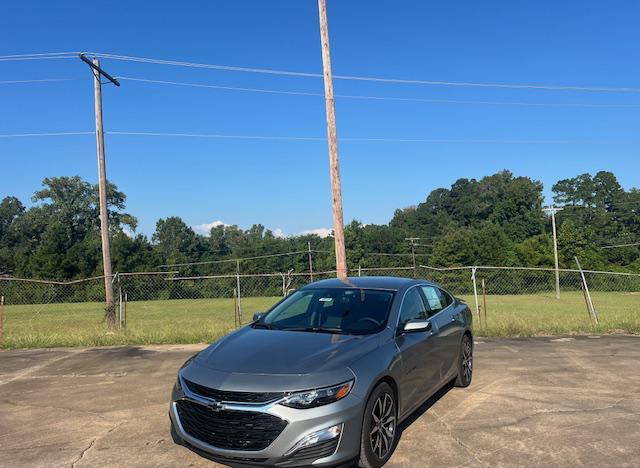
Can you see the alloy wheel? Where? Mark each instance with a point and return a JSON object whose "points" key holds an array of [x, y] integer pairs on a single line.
{"points": [[467, 360], [383, 425]]}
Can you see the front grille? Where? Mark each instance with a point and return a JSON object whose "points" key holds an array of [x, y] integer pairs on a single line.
{"points": [[235, 397], [227, 429], [308, 455]]}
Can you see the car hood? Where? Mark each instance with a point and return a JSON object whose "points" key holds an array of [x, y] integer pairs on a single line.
{"points": [[262, 351]]}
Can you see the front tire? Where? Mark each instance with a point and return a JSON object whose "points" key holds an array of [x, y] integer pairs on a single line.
{"points": [[465, 362], [379, 427]]}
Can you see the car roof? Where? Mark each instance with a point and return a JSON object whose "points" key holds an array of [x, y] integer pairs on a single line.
{"points": [[367, 282]]}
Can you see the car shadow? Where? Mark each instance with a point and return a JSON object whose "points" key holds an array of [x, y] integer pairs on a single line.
{"points": [[423, 408]]}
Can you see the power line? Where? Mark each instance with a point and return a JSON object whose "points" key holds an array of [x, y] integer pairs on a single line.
{"points": [[472, 84], [28, 135], [319, 138], [62, 55], [367, 78], [344, 96], [375, 98], [44, 54], [42, 80]]}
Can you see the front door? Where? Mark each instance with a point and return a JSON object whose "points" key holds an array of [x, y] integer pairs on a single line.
{"points": [[417, 352]]}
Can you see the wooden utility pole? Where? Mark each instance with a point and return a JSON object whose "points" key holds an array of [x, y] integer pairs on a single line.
{"points": [[413, 252], [334, 167], [102, 186], [310, 262], [553, 211]]}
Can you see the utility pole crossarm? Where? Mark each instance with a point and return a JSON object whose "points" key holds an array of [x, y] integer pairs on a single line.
{"points": [[98, 69]]}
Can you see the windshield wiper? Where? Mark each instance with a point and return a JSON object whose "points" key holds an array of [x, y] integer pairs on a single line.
{"points": [[267, 326], [338, 331]]}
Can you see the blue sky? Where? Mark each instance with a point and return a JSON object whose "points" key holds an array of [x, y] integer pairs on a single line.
{"points": [[285, 184]]}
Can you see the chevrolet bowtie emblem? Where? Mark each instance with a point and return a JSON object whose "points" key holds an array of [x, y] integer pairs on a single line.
{"points": [[215, 405]]}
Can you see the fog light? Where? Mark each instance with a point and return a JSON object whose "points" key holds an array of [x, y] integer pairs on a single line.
{"points": [[317, 437]]}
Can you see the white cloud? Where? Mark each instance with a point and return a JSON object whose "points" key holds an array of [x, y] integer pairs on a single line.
{"points": [[321, 232], [205, 228]]}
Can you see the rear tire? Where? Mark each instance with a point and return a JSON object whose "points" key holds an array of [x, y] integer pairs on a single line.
{"points": [[379, 427], [465, 362]]}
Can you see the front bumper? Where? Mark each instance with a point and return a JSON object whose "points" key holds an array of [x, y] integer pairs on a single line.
{"points": [[300, 423]]}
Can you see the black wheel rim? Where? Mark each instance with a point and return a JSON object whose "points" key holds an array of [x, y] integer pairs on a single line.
{"points": [[467, 360], [383, 425]]}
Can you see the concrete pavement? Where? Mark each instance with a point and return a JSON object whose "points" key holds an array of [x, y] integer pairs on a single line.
{"points": [[533, 402]]}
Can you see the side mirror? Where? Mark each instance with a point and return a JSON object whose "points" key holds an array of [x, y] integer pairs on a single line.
{"points": [[417, 325], [257, 316]]}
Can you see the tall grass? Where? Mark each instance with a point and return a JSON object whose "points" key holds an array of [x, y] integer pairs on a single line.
{"points": [[204, 320]]}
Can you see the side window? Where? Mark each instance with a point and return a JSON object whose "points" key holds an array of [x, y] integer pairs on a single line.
{"points": [[436, 298], [447, 300], [412, 307]]}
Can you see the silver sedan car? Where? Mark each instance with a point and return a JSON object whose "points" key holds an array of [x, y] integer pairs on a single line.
{"points": [[325, 376]]}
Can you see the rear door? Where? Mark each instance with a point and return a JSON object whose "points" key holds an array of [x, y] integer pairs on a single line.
{"points": [[442, 313]]}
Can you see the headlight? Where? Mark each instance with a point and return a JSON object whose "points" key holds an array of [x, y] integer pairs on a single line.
{"points": [[318, 397]]}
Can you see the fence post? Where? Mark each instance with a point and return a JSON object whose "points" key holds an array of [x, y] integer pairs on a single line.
{"points": [[484, 302], [310, 262], [238, 288], [119, 303], [1, 319], [124, 321], [588, 294], [475, 291], [359, 270], [235, 307]]}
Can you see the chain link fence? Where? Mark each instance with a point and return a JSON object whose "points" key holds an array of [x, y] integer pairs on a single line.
{"points": [[526, 301], [164, 307]]}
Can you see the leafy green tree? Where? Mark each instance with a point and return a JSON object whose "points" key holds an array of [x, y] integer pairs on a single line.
{"points": [[484, 245]]}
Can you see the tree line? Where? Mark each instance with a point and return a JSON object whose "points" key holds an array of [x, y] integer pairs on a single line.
{"points": [[497, 220]]}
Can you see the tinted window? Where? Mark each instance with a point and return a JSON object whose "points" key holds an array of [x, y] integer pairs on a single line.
{"points": [[335, 310], [437, 299], [412, 307]]}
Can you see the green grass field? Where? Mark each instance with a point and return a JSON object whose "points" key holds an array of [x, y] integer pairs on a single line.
{"points": [[204, 320]]}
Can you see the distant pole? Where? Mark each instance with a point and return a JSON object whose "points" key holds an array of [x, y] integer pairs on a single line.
{"points": [[475, 291], [102, 186], [239, 297], [590, 305], [553, 211], [334, 167], [1, 318], [413, 252], [310, 262]]}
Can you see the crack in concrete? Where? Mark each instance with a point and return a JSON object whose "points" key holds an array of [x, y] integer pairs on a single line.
{"points": [[93, 443], [82, 454], [456, 439]]}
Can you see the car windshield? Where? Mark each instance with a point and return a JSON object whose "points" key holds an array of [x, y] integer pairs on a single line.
{"points": [[331, 310]]}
